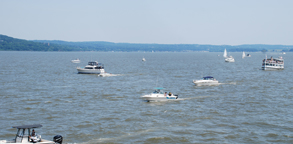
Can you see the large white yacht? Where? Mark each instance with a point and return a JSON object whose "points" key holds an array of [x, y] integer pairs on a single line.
{"points": [[273, 64], [91, 68], [158, 95], [31, 137], [208, 80]]}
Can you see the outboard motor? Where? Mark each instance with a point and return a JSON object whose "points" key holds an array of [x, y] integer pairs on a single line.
{"points": [[58, 139]]}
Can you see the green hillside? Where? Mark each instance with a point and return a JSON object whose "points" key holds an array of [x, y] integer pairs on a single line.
{"points": [[13, 44]]}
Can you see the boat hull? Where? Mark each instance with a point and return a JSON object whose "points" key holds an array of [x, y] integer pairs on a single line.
{"points": [[272, 68], [90, 71], [159, 98], [203, 82]]}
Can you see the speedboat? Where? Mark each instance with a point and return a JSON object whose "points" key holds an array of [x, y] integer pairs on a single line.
{"points": [[208, 80], [75, 61], [273, 64], [159, 95], [31, 137], [92, 68], [230, 59]]}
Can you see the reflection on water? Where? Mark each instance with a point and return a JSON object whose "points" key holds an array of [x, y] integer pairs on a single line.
{"points": [[249, 106]]}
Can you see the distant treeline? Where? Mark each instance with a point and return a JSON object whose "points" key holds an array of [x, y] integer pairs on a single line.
{"points": [[13, 44]]}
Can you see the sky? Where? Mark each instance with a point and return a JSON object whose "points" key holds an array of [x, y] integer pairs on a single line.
{"points": [[216, 22]]}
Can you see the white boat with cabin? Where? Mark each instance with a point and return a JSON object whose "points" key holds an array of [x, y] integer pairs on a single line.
{"points": [[230, 59], [92, 68], [31, 137], [75, 61], [273, 64], [208, 80], [159, 95]]}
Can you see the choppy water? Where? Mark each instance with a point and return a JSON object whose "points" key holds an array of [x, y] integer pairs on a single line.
{"points": [[250, 106]]}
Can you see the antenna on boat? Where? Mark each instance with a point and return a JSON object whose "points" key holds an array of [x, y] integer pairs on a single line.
{"points": [[157, 81]]}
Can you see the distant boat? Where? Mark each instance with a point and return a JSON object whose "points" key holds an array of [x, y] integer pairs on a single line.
{"points": [[230, 59], [92, 68], [225, 54], [243, 55], [143, 59], [248, 55], [283, 53], [273, 63], [75, 61], [208, 80]]}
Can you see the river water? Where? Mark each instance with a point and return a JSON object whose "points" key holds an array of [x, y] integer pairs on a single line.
{"points": [[249, 106]]}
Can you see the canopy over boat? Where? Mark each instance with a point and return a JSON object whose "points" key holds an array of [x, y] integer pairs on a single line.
{"points": [[27, 126], [208, 77], [159, 88]]}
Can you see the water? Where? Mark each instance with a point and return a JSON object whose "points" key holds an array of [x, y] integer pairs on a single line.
{"points": [[250, 106]]}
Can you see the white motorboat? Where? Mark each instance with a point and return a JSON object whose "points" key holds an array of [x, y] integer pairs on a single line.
{"points": [[75, 61], [31, 137], [273, 64], [143, 59], [283, 53], [208, 80], [158, 95], [243, 55], [91, 68], [230, 59]]}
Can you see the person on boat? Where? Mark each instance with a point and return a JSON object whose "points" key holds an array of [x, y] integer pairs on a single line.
{"points": [[170, 93], [33, 133], [165, 94]]}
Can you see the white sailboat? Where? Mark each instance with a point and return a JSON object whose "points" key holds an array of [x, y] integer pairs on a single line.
{"points": [[243, 54], [225, 54]]}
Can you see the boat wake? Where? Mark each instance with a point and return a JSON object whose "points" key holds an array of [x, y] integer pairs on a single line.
{"points": [[231, 83], [106, 140], [109, 75]]}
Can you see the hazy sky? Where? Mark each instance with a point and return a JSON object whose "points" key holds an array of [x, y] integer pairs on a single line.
{"points": [[217, 22]]}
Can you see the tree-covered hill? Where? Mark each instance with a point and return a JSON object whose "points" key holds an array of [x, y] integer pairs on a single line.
{"points": [[13, 44]]}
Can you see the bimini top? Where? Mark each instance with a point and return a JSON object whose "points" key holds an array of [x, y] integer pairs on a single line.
{"points": [[208, 77], [27, 126], [159, 88]]}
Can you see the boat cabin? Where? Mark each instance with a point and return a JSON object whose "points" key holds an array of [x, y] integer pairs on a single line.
{"points": [[94, 65], [208, 78], [20, 135]]}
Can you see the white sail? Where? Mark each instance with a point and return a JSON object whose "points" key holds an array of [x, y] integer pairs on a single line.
{"points": [[225, 53], [243, 55]]}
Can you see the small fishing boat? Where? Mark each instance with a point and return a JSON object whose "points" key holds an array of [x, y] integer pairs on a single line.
{"points": [[248, 55], [75, 61], [159, 95], [208, 80], [31, 136], [143, 59]]}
